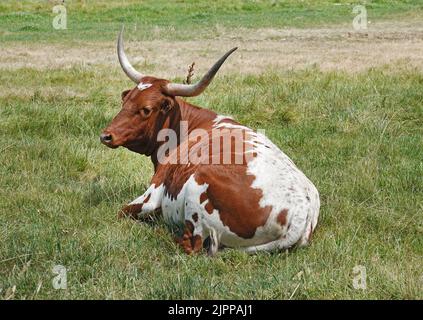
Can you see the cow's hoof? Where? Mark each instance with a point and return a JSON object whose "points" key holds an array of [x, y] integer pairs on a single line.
{"points": [[130, 211]]}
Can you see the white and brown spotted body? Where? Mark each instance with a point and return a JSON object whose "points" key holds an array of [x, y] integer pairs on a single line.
{"points": [[263, 202], [270, 203]]}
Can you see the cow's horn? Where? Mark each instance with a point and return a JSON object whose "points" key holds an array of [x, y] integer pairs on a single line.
{"points": [[133, 74], [191, 90]]}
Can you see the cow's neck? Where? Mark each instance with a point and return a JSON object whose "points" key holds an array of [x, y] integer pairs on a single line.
{"points": [[194, 116]]}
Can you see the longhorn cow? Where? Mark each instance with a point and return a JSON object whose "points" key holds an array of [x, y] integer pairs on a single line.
{"points": [[262, 202]]}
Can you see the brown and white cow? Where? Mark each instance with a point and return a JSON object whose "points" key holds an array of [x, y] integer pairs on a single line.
{"points": [[263, 202]]}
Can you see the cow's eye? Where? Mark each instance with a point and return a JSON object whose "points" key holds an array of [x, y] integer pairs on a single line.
{"points": [[146, 111]]}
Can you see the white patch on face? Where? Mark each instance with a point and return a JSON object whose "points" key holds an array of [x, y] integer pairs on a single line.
{"points": [[142, 86]]}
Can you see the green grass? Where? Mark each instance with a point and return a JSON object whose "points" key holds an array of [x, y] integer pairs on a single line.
{"points": [[88, 20], [358, 137]]}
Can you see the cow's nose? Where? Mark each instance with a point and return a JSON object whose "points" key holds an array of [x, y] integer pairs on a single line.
{"points": [[106, 138]]}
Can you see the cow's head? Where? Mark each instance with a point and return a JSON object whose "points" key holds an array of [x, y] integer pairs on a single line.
{"points": [[148, 108]]}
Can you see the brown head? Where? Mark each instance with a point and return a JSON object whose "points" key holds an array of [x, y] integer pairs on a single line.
{"points": [[149, 107]]}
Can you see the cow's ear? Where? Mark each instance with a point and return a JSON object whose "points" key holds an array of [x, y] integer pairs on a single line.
{"points": [[166, 105], [124, 93]]}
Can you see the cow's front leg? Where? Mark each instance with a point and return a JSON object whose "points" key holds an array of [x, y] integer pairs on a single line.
{"points": [[191, 241], [144, 206]]}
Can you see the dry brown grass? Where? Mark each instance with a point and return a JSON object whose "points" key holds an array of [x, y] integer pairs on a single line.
{"points": [[334, 48]]}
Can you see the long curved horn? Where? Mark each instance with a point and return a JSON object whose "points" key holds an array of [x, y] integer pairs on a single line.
{"points": [[133, 74], [191, 90]]}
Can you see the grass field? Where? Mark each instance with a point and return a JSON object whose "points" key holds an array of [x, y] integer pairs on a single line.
{"points": [[357, 135], [98, 20]]}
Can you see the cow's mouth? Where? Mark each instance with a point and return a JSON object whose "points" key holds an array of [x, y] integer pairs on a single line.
{"points": [[110, 145], [135, 146]]}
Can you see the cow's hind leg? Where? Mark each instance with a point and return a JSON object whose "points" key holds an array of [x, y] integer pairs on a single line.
{"points": [[280, 244], [293, 237], [270, 246]]}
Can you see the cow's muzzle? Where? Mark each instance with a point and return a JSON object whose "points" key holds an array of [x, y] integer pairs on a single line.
{"points": [[107, 139]]}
